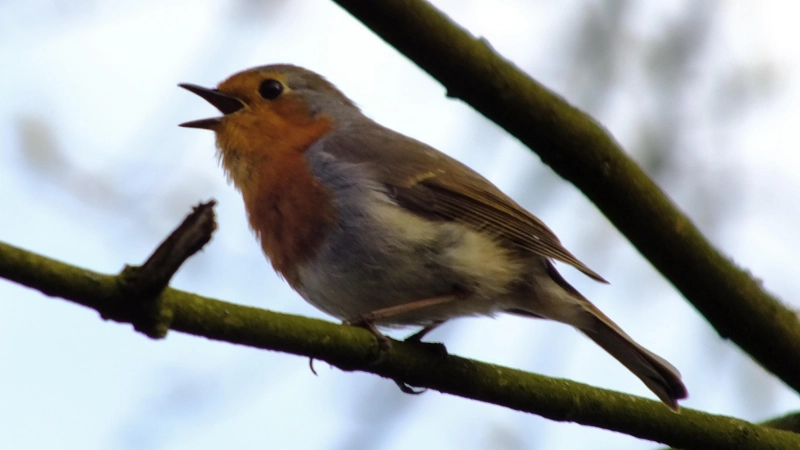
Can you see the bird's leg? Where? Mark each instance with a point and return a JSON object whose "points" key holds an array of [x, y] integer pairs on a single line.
{"points": [[385, 313], [413, 306], [417, 337], [384, 343], [368, 320]]}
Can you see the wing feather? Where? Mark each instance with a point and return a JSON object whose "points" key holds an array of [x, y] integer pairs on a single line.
{"points": [[436, 186]]}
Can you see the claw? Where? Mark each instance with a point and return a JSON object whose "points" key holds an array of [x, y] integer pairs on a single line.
{"points": [[408, 389], [311, 366]]}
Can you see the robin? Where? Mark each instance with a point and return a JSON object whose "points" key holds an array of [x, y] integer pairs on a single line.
{"points": [[380, 230]]}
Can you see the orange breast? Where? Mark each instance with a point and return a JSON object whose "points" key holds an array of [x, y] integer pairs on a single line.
{"points": [[264, 155], [290, 212]]}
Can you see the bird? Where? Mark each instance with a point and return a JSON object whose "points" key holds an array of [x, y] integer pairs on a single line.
{"points": [[378, 229]]}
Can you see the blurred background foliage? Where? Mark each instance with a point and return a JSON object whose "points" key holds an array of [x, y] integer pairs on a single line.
{"points": [[94, 171]]}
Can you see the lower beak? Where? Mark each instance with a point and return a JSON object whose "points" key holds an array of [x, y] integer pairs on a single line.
{"points": [[225, 103]]}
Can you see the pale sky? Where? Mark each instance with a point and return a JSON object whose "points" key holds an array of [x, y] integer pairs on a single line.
{"points": [[95, 172]]}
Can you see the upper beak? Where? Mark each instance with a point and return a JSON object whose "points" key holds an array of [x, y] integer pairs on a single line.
{"points": [[225, 103]]}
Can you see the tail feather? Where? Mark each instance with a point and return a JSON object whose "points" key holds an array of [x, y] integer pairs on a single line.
{"points": [[657, 374]]}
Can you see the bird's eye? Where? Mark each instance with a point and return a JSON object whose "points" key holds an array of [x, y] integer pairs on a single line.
{"points": [[270, 89]]}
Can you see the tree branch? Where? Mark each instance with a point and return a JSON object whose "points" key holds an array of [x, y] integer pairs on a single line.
{"points": [[352, 348], [581, 151], [191, 235], [142, 284], [788, 422]]}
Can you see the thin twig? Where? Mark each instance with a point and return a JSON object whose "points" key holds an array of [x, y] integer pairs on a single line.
{"points": [[142, 285]]}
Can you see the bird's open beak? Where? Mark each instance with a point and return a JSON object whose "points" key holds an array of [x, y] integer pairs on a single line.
{"points": [[225, 103]]}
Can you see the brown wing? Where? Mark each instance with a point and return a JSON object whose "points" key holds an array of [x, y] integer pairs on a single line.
{"points": [[434, 185]]}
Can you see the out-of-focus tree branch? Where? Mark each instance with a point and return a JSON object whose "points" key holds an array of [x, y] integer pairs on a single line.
{"points": [[788, 422], [584, 153], [352, 348]]}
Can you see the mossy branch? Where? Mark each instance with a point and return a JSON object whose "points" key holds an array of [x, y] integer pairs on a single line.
{"points": [[351, 348], [581, 151]]}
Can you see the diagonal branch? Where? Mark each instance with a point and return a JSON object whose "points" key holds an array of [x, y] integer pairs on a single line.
{"points": [[581, 151], [352, 348]]}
